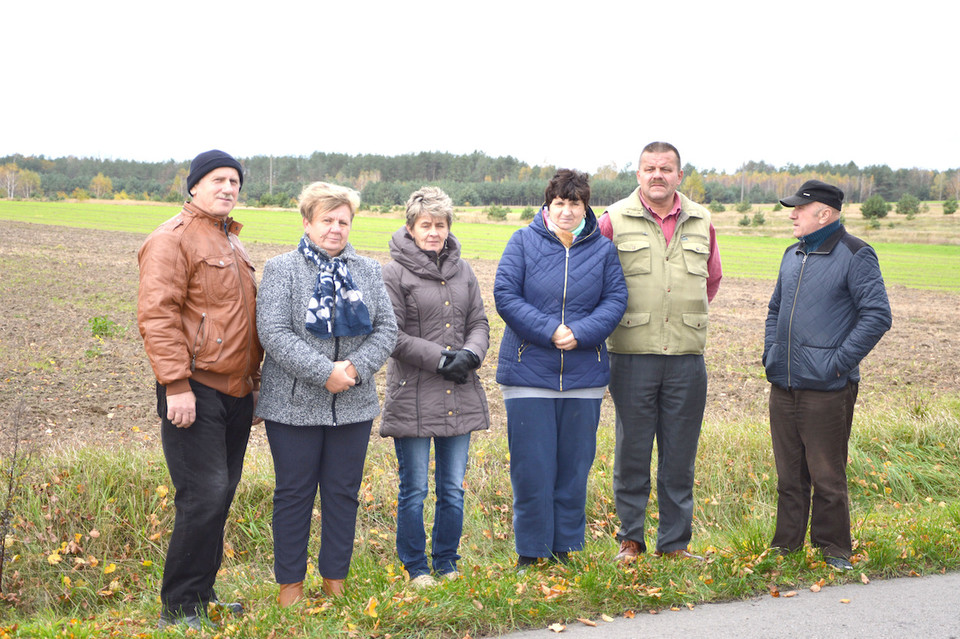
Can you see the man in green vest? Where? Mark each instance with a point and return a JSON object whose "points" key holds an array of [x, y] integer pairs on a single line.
{"points": [[658, 380]]}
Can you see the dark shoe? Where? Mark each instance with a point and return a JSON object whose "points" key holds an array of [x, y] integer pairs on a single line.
{"points": [[838, 563], [682, 553], [233, 607], [525, 562], [561, 557], [187, 621], [629, 551]]}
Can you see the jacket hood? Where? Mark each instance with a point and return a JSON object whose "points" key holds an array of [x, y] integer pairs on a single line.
{"points": [[404, 250]]}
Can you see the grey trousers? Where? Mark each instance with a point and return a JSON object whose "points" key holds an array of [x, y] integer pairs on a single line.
{"points": [[662, 398]]}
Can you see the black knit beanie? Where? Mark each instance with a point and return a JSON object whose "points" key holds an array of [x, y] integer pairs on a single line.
{"points": [[208, 161]]}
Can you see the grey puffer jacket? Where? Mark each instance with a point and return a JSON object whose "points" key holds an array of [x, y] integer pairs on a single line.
{"points": [[438, 306], [298, 363]]}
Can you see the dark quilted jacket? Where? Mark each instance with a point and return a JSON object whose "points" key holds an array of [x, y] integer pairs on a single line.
{"points": [[828, 310], [539, 285], [437, 307]]}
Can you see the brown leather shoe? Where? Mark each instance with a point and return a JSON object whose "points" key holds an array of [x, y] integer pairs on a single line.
{"points": [[290, 594], [629, 551], [682, 553], [333, 587]]}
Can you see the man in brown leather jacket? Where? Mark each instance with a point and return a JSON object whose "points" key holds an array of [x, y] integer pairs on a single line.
{"points": [[197, 314]]}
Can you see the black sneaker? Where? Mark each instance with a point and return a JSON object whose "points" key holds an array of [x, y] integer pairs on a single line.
{"points": [[525, 562], [561, 557], [187, 621], [838, 563]]}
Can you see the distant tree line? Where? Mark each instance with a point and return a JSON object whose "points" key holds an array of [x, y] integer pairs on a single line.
{"points": [[472, 179]]}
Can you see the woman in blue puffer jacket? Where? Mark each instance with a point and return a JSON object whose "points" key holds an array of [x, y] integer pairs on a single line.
{"points": [[561, 292]]}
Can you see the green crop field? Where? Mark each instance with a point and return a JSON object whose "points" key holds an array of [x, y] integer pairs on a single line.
{"points": [[924, 266]]}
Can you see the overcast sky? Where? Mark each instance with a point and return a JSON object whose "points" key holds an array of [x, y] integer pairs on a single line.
{"points": [[572, 84]]}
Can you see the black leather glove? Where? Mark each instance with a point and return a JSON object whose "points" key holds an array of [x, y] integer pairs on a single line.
{"points": [[457, 365]]}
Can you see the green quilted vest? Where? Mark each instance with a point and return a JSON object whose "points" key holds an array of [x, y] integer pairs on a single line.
{"points": [[667, 305]]}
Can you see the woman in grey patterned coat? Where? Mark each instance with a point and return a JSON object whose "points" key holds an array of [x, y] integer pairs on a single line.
{"points": [[327, 326]]}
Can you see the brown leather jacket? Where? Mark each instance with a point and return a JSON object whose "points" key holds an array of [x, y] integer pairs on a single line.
{"points": [[197, 305]]}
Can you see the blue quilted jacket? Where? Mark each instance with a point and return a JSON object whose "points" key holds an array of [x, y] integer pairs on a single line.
{"points": [[541, 284], [828, 310]]}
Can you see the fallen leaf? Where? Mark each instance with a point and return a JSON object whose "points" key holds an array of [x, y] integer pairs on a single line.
{"points": [[162, 491], [629, 614], [790, 593], [815, 588], [54, 558], [94, 533], [109, 568], [371, 609], [477, 604], [557, 627], [587, 622], [606, 618], [864, 578], [844, 601]]}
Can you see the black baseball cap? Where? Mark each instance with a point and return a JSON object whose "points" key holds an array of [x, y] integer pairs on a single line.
{"points": [[816, 191]]}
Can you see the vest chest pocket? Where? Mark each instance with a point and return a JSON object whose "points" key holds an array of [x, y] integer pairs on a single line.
{"points": [[695, 256], [635, 257], [220, 279]]}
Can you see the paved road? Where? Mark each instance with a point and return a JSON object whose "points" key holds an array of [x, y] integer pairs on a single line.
{"points": [[925, 607]]}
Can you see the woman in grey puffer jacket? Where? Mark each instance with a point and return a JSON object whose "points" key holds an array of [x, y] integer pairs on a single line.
{"points": [[433, 390], [327, 326]]}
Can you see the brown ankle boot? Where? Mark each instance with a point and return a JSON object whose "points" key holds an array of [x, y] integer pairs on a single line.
{"points": [[333, 587], [290, 594]]}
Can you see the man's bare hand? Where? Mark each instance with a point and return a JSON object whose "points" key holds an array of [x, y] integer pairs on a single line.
{"points": [[182, 409]]}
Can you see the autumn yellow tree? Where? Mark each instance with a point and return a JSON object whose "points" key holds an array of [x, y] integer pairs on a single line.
{"points": [[101, 185], [179, 185], [606, 172], [693, 186], [28, 183], [9, 175]]}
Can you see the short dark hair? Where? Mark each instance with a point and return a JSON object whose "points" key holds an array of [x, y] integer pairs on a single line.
{"points": [[568, 184], [662, 147]]}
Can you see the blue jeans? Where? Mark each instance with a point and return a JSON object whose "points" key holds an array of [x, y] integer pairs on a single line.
{"points": [[552, 445], [413, 459]]}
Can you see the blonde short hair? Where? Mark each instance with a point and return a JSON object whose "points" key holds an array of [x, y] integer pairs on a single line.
{"points": [[321, 197], [429, 200]]}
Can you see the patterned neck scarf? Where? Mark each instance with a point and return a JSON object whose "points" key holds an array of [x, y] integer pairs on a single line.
{"points": [[336, 308]]}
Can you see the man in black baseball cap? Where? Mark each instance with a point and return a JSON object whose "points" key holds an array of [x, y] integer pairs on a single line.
{"points": [[828, 310]]}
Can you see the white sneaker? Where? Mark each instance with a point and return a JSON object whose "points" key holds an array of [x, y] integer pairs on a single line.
{"points": [[453, 575], [423, 581]]}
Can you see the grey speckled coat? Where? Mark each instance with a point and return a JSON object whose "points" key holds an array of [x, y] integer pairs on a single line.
{"points": [[437, 307], [298, 363]]}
